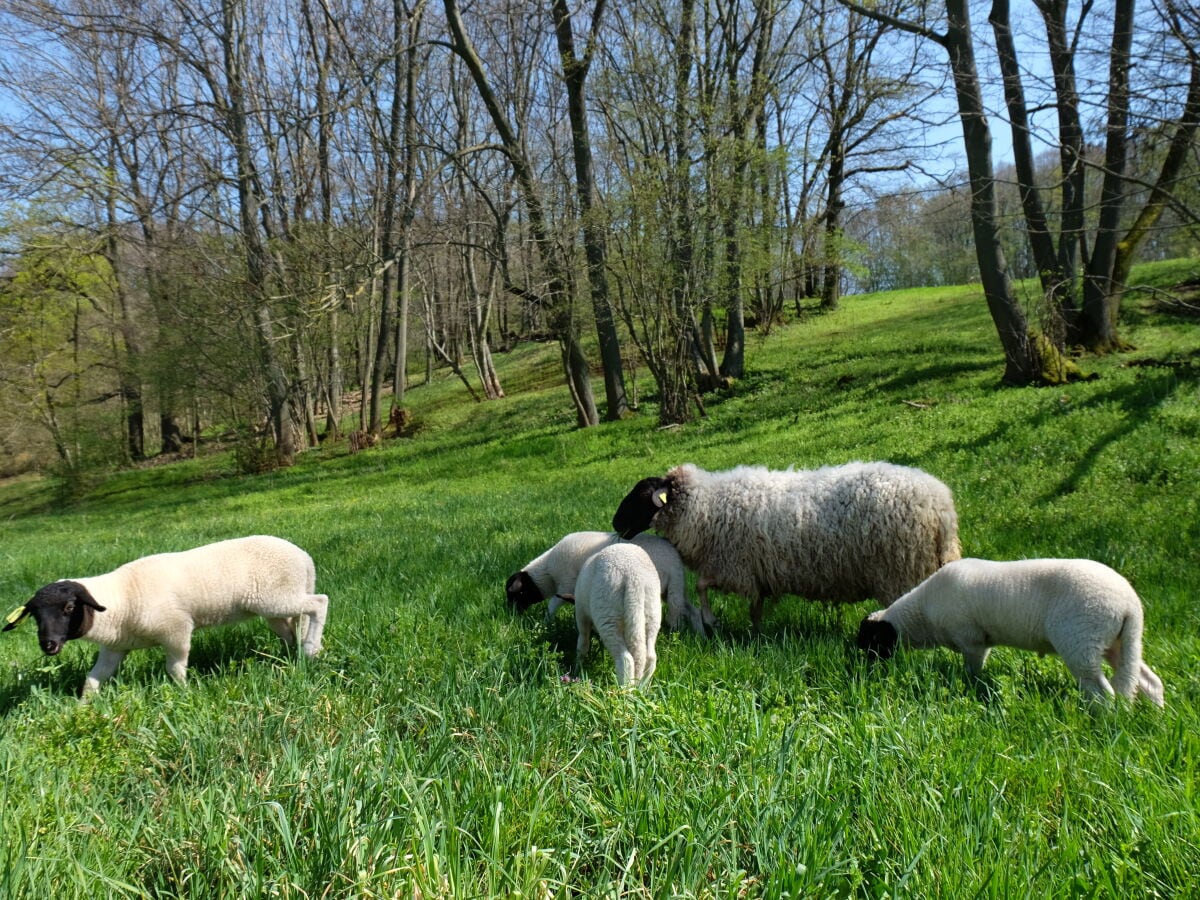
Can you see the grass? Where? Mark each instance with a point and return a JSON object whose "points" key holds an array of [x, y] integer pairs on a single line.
{"points": [[434, 751]]}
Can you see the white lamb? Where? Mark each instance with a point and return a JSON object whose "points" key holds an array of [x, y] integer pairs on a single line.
{"points": [[160, 600], [1080, 609], [840, 533], [618, 594], [553, 575]]}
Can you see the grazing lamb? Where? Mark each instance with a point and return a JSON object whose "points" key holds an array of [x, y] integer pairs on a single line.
{"points": [[553, 575], [839, 533], [159, 600], [1080, 609], [618, 594]]}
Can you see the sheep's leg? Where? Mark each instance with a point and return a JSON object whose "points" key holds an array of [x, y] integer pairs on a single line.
{"points": [[649, 659], [106, 666], [974, 656], [681, 608], [1090, 675], [756, 613], [286, 629], [702, 586], [650, 629], [319, 607], [177, 658], [1150, 684], [584, 643], [1126, 671], [626, 665]]}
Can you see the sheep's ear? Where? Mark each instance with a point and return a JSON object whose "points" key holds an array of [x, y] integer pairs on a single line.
{"points": [[86, 599], [660, 498], [13, 619], [83, 597]]}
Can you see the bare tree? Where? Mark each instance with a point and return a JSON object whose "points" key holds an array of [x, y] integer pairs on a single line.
{"points": [[1088, 306], [1022, 358], [555, 296], [575, 70]]}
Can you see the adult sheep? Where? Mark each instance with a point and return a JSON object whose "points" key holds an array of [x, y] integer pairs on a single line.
{"points": [[1077, 608], [158, 601], [840, 533]]}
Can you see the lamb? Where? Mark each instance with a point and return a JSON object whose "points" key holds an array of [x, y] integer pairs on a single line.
{"points": [[159, 600], [618, 594], [840, 533], [1080, 609], [554, 573]]}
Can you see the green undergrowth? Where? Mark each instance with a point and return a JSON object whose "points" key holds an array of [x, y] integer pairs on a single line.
{"points": [[440, 748]]}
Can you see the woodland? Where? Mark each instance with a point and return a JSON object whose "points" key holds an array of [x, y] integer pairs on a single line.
{"points": [[262, 224]]}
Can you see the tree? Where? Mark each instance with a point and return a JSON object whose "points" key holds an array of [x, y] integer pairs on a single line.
{"points": [[575, 70], [1022, 360], [1083, 280], [555, 295]]}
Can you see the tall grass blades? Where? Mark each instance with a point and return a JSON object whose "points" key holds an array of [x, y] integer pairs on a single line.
{"points": [[435, 749]]}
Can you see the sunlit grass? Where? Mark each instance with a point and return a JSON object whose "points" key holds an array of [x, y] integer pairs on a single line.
{"points": [[433, 749]]}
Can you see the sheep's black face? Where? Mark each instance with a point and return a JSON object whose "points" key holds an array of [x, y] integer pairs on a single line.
{"points": [[640, 506], [64, 611], [521, 592], [877, 638]]}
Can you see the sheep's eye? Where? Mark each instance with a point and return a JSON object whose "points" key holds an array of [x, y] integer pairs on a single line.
{"points": [[68, 609]]}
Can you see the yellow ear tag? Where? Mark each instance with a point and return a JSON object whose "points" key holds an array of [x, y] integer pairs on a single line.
{"points": [[662, 498], [12, 617]]}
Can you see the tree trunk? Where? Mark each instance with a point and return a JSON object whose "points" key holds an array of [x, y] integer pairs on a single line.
{"points": [[1072, 230], [391, 243], [1098, 323], [594, 244], [1022, 364], [574, 363], [1168, 176], [1041, 243], [1022, 358], [277, 388], [832, 281]]}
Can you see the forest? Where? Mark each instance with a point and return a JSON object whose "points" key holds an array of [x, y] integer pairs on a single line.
{"points": [[262, 223]]}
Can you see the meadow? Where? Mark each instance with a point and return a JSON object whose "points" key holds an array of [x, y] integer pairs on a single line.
{"points": [[435, 749]]}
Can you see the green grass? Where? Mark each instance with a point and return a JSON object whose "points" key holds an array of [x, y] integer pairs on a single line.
{"points": [[433, 749]]}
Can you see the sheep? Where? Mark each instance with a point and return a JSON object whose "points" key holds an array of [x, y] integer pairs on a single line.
{"points": [[553, 575], [1080, 609], [159, 600], [617, 593], [840, 533]]}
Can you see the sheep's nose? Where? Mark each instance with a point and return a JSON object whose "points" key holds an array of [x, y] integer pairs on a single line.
{"points": [[51, 648]]}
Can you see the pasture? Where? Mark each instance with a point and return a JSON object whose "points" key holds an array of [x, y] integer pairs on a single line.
{"points": [[435, 750]]}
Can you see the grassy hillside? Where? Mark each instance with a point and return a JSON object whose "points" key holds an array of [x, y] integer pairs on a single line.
{"points": [[434, 749]]}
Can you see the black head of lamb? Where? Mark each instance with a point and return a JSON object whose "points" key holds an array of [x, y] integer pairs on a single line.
{"points": [[640, 506], [522, 592], [63, 611], [877, 638]]}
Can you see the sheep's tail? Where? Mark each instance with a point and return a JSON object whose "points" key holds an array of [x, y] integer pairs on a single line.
{"points": [[1130, 674], [635, 633], [948, 547]]}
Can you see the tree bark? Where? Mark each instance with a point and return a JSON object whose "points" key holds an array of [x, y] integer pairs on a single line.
{"points": [[1168, 176], [1098, 322], [575, 366], [1022, 359], [575, 70], [277, 388], [1022, 364]]}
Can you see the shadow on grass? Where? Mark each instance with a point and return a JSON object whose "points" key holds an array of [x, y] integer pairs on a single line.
{"points": [[212, 655]]}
